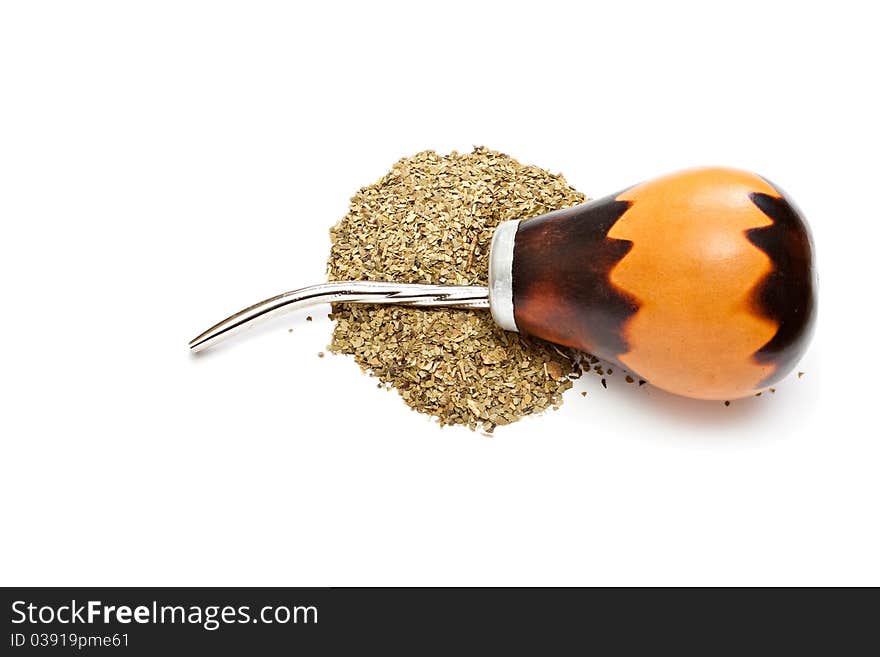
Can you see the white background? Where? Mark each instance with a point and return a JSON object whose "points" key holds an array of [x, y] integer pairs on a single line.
{"points": [[163, 164]]}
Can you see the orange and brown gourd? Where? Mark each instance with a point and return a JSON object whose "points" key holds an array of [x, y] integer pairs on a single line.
{"points": [[700, 282]]}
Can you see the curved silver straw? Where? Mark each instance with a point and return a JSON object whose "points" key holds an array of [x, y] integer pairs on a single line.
{"points": [[371, 292]]}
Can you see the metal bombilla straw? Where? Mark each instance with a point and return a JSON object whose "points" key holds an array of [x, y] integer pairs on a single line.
{"points": [[345, 292], [498, 296]]}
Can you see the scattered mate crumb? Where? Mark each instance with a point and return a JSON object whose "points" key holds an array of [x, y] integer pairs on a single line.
{"points": [[320, 354], [430, 220]]}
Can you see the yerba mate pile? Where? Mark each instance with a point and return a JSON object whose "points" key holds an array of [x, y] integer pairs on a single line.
{"points": [[431, 220]]}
